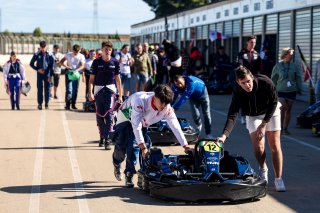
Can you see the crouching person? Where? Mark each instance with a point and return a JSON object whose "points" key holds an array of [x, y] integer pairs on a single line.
{"points": [[139, 111]]}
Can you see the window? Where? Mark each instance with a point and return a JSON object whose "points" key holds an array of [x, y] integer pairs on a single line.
{"points": [[246, 8], [218, 15], [226, 13], [198, 18], [235, 11], [204, 17], [270, 4], [257, 6], [191, 21]]}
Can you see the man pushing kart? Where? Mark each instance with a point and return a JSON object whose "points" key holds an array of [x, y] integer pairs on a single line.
{"points": [[139, 111]]}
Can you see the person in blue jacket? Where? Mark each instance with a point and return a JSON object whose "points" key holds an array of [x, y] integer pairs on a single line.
{"points": [[42, 62], [194, 89]]}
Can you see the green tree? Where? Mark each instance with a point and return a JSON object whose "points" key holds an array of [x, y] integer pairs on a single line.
{"points": [[6, 33], [37, 32], [163, 8]]}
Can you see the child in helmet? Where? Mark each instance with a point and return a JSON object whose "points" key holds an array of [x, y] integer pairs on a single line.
{"points": [[13, 74]]}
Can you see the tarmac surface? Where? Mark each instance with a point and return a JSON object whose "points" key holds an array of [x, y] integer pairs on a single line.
{"points": [[50, 162]]}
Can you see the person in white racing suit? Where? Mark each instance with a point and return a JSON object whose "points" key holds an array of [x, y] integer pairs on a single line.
{"points": [[138, 112]]}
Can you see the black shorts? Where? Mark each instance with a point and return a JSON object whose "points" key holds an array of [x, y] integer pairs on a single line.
{"points": [[56, 78]]}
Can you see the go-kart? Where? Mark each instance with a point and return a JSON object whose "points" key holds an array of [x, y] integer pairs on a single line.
{"points": [[316, 128], [160, 132], [208, 174], [309, 116]]}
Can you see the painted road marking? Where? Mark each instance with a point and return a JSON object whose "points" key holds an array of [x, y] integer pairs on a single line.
{"points": [[82, 201], [34, 202]]}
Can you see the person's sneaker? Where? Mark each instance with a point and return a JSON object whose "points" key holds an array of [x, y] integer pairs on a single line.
{"points": [[209, 136], [39, 107], [263, 174], [67, 107], [46, 106], [107, 144], [243, 119], [74, 107], [101, 142], [117, 172], [279, 185], [55, 97], [129, 183]]}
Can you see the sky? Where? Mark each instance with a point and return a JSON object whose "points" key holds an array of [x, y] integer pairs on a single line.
{"points": [[74, 16]]}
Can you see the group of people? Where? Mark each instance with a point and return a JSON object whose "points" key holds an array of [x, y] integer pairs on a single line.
{"points": [[265, 101]]}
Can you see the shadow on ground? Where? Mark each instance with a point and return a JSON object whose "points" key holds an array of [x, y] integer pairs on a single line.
{"points": [[94, 190]]}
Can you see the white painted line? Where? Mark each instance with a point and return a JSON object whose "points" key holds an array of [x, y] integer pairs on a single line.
{"points": [[302, 143], [34, 203], [288, 137], [82, 202]]}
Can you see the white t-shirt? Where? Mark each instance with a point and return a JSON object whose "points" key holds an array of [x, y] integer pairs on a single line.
{"points": [[74, 60], [88, 64], [139, 111], [125, 64], [57, 58]]}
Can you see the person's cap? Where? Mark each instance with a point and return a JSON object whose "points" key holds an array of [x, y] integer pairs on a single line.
{"points": [[286, 51], [56, 46]]}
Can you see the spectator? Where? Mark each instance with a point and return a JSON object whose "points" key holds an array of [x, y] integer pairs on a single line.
{"points": [[56, 69], [142, 68], [288, 81], [125, 60]]}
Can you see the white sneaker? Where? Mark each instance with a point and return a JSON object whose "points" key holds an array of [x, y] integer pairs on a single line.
{"points": [[209, 136], [279, 185], [263, 174], [243, 119]]}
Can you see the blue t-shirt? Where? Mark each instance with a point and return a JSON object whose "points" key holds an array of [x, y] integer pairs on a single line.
{"points": [[104, 71], [194, 89]]}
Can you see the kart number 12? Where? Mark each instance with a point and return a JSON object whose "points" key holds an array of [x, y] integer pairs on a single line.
{"points": [[211, 147]]}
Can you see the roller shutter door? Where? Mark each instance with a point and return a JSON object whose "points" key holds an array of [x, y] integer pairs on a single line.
{"points": [[257, 25], [316, 38], [284, 32], [272, 24], [303, 31], [236, 28], [228, 28], [247, 27]]}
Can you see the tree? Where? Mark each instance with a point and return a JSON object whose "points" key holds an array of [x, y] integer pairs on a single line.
{"points": [[37, 32], [164, 8], [6, 33]]}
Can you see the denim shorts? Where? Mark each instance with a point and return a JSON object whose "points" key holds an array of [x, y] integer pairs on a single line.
{"points": [[141, 78], [125, 80]]}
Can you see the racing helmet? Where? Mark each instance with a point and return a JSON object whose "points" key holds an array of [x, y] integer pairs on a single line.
{"points": [[73, 75], [25, 87]]}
